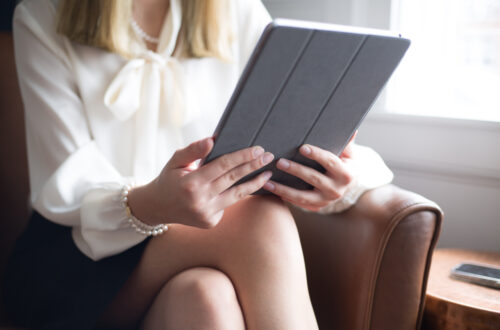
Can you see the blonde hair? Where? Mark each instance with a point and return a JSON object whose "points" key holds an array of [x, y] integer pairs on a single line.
{"points": [[205, 31]]}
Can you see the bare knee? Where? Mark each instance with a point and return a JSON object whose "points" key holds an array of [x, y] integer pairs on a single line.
{"points": [[199, 298], [265, 225], [209, 288], [267, 213]]}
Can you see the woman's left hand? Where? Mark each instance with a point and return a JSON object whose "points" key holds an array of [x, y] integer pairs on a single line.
{"points": [[328, 186]]}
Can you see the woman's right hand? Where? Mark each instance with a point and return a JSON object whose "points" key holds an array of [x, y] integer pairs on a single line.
{"points": [[197, 196]]}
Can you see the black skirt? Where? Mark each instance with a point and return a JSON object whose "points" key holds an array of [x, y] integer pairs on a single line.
{"points": [[50, 284]]}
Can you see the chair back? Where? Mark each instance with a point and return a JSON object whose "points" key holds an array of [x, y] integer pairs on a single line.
{"points": [[14, 184]]}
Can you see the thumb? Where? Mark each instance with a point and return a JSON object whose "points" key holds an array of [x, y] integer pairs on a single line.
{"points": [[193, 152], [348, 152]]}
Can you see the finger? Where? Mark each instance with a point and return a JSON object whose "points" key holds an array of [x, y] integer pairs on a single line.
{"points": [[227, 162], [331, 163], [353, 137], [347, 152], [237, 193], [191, 153], [300, 197], [308, 207], [230, 178], [316, 179]]}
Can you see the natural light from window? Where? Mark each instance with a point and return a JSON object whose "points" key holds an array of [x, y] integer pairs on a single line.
{"points": [[453, 66]]}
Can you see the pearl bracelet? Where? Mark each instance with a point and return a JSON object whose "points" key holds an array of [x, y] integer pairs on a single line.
{"points": [[138, 225]]}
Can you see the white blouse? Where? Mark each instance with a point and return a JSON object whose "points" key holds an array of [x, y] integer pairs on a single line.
{"points": [[96, 121]]}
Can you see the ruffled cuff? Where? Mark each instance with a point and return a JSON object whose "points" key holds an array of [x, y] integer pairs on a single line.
{"points": [[105, 229], [85, 193]]}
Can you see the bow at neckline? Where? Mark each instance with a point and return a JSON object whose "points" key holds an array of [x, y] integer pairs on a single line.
{"points": [[149, 88], [151, 79]]}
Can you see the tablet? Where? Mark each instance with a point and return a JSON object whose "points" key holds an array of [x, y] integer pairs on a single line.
{"points": [[306, 83]]}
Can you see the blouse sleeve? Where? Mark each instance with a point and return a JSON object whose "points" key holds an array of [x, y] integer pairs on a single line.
{"points": [[72, 183], [368, 168]]}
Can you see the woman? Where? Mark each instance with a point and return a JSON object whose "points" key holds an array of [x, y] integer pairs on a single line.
{"points": [[127, 230]]}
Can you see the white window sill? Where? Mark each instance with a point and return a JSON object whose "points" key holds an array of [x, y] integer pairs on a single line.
{"points": [[455, 149]]}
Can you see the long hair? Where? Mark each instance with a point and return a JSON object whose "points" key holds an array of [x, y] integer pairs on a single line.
{"points": [[206, 28]]}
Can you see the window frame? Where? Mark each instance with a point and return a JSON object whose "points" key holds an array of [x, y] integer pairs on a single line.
{"points": [[452, 148]]}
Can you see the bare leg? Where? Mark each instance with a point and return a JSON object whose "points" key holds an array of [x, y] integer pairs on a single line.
{"points": [[196, 299], [256, 245]]}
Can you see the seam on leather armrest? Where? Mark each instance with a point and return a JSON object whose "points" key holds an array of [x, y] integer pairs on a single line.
{"points": [[398, 216], [435, 237]]}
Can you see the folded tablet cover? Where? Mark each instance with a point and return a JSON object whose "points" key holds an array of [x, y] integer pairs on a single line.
{"points": [[306, 83]]}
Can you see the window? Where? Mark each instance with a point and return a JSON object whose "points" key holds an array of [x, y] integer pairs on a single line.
{"points": [[453, 66]]}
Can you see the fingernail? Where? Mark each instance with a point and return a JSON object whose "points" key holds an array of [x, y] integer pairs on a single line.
{"points": [[267, 158], [283, 164], [306, 149], [269, 186], [257, 151], [267, 175]]}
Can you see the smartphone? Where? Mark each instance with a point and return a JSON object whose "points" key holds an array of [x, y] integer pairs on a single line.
{"points": [[478, 274]]}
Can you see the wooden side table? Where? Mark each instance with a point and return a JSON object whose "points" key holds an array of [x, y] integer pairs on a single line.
{"points": [[453, 304]]}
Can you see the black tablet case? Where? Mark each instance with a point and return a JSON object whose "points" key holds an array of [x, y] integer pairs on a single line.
{"points": [[305, 85]]}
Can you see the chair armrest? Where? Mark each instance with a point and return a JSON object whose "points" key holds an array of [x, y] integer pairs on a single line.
{"points": [[367, 267]]}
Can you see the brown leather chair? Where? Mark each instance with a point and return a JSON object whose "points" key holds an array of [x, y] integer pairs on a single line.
{"points": [[367, 267]]}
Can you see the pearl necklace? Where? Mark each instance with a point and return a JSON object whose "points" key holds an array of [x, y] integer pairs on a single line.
{"points": [[137, 29]]}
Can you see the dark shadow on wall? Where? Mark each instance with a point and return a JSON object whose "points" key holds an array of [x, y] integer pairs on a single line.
{"points": [[6, 11]]}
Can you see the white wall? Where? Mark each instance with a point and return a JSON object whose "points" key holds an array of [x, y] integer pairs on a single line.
{"points": [[372, 13], [456, 163]]}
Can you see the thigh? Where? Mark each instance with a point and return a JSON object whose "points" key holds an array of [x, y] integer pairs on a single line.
{"points": [[256, 227], [197, 298]]}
